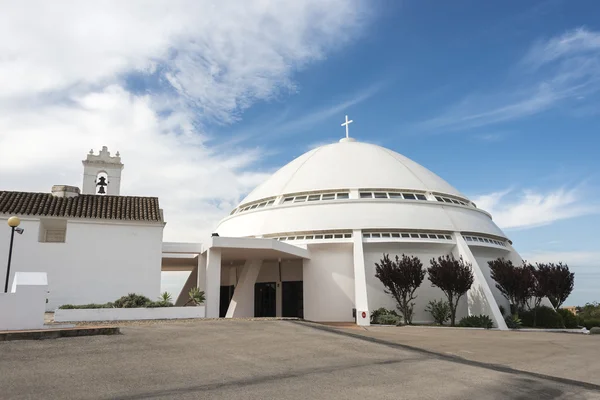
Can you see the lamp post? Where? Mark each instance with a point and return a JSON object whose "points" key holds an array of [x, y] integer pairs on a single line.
{"points": [[13, 222]]}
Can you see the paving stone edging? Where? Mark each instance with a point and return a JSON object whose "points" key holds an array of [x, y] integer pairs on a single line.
{"points": [[58, 333]]}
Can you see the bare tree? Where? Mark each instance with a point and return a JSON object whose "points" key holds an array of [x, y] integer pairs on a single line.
{"points": [[515, 283], [401, 279], [558, 282], [454, 277]]}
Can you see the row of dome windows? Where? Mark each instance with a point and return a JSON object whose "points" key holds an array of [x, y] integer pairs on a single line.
{"points": [[392, 195], [449, 200], [317, 197], [324, 236], [344, 196], [484, 240], [408, 235], [390, 235]]}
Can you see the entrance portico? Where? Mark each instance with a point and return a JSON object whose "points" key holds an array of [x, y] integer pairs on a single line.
{"points": [[254, 272]]}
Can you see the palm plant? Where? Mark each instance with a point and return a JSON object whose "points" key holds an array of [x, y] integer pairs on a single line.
{"points": [[165, 296], [196, 297]]}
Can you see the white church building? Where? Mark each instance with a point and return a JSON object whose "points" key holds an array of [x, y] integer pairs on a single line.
{"points": [[302, 244]]}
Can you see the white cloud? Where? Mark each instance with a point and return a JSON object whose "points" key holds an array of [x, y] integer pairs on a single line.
{"points": [[64, 71], [555, 70], [528, 208]]}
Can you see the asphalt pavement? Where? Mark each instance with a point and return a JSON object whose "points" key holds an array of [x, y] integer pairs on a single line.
{"points": [[229, 359]]}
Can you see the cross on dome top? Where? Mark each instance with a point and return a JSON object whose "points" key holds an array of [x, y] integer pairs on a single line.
{"points": [[347, 138]]}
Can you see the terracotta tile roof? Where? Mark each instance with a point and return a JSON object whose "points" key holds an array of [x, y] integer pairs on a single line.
{"points": [[128, 208]]}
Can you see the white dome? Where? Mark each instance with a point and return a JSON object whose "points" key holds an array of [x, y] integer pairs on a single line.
{"points": [[350, 165]]}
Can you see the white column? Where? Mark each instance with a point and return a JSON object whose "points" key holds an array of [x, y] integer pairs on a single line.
{"points": [[361, 301], [480, 299], [242, 302], [201, 283], [213, 282]]}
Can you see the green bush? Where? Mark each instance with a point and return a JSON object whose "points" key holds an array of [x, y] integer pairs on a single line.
{"points": [[132, 300], [513, 322], [591, 323], [569, 319], [93, 305], [439, 310], [476, 321], [388, 319], [545, 317], [160, 303], [384, 316]]}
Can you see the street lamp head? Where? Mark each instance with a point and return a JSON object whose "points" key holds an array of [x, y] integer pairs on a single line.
{"points": [[13, 222], [19, 230]]}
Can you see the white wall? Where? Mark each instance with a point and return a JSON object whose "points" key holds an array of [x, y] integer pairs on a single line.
{"points": [[483, 255], [425, 251], [99, 262], [128, 314], [329, 283], [358, 214]]}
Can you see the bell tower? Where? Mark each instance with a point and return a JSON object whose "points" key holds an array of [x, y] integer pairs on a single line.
{"points": [[102, 173]]}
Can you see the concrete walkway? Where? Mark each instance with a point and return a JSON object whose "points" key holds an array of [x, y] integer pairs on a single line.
{"points": [[562, 355]]}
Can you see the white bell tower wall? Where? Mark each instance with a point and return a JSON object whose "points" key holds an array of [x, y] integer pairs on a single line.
{"points": [[102, 165]]}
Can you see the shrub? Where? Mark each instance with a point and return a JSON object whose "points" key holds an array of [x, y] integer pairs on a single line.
{"points": [[382, 314], [388, 319], [591, 323], [92, 305], [569, 319], [476, 321], [160, 303], [132, 300], [513, 322], [545, 317], [439, 310]]}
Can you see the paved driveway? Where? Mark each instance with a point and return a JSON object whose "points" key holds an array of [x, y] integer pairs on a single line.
{"points": [[569, 356], [252, 360]]}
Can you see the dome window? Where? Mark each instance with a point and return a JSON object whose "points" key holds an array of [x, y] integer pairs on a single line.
{"points": [[421, 197], [405, 235], [288, 199], [314, 197], [343, 196], [366, 195], [300, 199], [439, 198], [409, 196], [381, 195], [328, 196]]}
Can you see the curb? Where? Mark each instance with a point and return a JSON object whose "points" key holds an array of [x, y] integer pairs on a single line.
{"points": [[58, 333]]}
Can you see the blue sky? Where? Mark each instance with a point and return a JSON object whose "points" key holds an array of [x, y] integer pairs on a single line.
{"points": [[459, 89], [205, 100]]}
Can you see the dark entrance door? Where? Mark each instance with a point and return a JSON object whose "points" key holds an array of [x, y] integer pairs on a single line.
{"points": [[265, 294], [292, 299], [226, 295]]}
